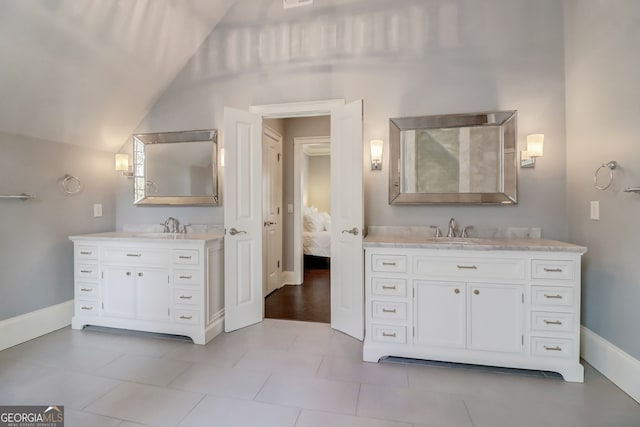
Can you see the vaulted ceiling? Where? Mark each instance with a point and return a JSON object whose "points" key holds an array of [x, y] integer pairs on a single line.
{"points": [[86, 72]]}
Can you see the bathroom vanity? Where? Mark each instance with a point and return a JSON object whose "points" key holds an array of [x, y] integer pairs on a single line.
{"points": [[498, 302], [156, 282]]}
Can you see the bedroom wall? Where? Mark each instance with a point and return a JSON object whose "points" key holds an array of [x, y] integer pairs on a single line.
{"points": [[319, 183], [404, 59]]}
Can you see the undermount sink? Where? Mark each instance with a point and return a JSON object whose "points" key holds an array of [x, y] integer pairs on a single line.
{"points": [[157, 235], [455, 240]]}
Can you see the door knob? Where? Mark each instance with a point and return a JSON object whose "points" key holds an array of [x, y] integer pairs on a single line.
{"points": [[234, 231], [353, 231]]}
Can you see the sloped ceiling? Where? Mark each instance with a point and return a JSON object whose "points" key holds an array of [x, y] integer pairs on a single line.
{"points": [[86, 72]]}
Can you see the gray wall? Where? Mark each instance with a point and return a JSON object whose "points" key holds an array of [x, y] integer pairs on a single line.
{"points": [[404, 59], [319, 182], [602, 66], [37, 258]]}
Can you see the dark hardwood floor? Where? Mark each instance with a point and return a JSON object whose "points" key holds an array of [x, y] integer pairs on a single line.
{"points": [[309, 302]]}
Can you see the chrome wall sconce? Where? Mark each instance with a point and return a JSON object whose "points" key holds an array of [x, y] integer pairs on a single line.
{"points": [[376, 154], [535, 147], [122, 165]]}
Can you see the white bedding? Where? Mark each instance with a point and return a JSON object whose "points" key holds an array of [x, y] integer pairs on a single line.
{"points": [[317, 243]]}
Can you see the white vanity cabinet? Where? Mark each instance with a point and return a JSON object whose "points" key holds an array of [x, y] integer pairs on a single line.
{"points": [[166, 285], [509, 307]]}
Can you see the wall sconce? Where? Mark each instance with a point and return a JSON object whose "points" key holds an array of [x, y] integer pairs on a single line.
{"points": [[535, 145], [376, 154], [122, 165]]}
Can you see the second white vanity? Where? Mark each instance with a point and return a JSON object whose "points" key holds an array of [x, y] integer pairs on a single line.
{"points": [[156, 282], [498, 302]]}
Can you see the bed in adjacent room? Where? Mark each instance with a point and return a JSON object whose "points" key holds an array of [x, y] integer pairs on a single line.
{"points": [[316, 235]]}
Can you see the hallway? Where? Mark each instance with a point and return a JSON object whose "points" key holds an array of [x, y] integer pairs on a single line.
{"points": [[310, 302]]}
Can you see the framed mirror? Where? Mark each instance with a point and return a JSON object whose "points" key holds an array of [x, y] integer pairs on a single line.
{"points": [[176, 168], [453, 159]]}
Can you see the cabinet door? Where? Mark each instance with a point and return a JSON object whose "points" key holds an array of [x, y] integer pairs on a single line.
{"points": [[152, 295], [440, 314], [119, 292], [495, 317]]}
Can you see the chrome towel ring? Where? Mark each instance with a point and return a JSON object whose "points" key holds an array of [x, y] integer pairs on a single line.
{"points": [[611, 166], [70, 184]]}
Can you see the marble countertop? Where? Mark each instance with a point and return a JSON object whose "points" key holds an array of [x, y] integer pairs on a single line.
{"points": [[146, 236], [402, 240]]}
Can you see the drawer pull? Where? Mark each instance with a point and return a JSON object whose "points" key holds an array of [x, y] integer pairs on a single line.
{"points": [[186, 297], [556, 348], [553, 270], [86, 271], [388, 287], [557, 296], [86, 289], [457, 291], [186, 277], [134, 255], [552, 322], [186, 317], [467, 267], [388, 263], [392, 335], [184, 257], [85, 253], [86, 308], [388, 310]]}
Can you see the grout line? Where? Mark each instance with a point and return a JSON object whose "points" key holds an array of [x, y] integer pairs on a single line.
{"points": [[468, 413], [192, 408], [297, 417], [262, 386], [358, 399]]}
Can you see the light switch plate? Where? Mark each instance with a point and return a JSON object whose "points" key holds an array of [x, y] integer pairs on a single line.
{"points": [[290, 208], [97, 209], [595, 210]]}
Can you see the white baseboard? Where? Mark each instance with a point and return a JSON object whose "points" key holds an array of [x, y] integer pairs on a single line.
{"points": [[289, 278], [620, 367], [31, 325]]}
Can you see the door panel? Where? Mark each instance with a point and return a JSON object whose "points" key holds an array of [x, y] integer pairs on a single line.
{"points": [[119, 292], [272, 206], [347, 291], [440, 314], [243, 219], [152, 295]]}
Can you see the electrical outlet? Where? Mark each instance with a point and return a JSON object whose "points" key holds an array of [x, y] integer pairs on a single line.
{"points": [[97, 209], [595, 210]]}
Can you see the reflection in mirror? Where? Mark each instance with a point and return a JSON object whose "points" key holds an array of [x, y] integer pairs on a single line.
{"points": [[175, 168], [459, 158]]}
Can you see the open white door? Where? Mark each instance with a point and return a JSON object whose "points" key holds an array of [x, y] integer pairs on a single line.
{"points": [[347, 288], [243, 301]]}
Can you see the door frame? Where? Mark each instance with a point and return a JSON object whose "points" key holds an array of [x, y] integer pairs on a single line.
{"points": [[298, 254]]}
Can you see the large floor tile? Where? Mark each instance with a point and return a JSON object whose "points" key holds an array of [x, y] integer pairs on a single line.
{"points": [[310, 418], [404, 404], [344, 369], [281, 362], [224, 412], [145, 370], [310, 393], [221, 381], [145, 404], [74, 418]]}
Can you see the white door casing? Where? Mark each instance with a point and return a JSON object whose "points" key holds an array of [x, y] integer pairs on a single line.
{"points": [[272, 209], [347, 269], [244, 303]]}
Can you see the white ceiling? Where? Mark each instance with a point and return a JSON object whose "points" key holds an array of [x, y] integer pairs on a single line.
{"points": [[86, 72]]}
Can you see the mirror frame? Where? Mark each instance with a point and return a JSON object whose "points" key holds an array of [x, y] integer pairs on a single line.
{"points": [[142, 140], [505, 120]]}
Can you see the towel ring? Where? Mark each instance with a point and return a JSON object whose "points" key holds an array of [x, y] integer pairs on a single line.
{"points": [[611, 165], [70, 184]]}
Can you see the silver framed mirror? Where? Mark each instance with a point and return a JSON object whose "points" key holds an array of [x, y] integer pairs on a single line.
{"points": [[453, 159], [176, 168]]}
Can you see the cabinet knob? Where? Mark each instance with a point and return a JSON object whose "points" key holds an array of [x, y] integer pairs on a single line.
{"points": [[128, 273], [457, 291], [477, 292], [140, 274]]}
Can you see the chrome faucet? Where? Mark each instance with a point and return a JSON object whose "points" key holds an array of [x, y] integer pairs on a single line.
{"points": [[171, 225], [452, 228]]}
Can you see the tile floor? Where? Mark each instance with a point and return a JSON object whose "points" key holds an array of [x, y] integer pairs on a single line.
{"points": [[284, 373]]}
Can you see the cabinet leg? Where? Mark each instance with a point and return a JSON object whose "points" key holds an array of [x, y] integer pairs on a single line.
{"points": [[574, 374]]}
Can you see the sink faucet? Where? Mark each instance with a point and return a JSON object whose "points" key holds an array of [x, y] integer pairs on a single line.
{"points": [[452, 228], [171, 225]]}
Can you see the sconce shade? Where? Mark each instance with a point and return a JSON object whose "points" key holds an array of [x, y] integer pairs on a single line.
{"points": [[122, 162], [535, 145], [376, 154]]}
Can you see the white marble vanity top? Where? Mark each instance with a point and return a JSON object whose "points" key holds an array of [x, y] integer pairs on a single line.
{"points": [[144, 236], [401, 239]]}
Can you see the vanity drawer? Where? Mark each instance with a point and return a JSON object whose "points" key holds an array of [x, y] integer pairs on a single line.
{"points": [[470, 268], [87, 308], [552, 296], [82, 252], [389, 310], [389, 263], [144, 256], [552, 321], [388, 287], [190, 317], [87, 291], [552, 347], [186, 297], [389, 334], [186, 277], [552, 269], [186, 256], [86, 271]]}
